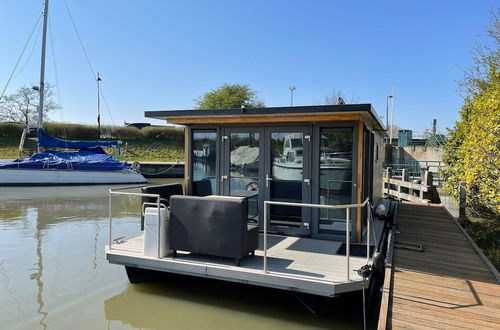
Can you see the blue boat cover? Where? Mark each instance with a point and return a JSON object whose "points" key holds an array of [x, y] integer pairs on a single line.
{"points": [[45, 140], [89, 159]]}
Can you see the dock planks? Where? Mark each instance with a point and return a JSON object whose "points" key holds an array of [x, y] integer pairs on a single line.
{"points": [[447, 286]]}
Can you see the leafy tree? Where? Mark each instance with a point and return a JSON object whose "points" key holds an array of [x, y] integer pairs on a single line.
{"points": [[229, 96], [22, 106], [472, 151]]}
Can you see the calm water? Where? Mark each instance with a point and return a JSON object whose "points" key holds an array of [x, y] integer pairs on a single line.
{"points": [[54, 275]]}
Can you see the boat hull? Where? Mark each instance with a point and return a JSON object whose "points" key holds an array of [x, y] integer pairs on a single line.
{"points": [[18, 177]]}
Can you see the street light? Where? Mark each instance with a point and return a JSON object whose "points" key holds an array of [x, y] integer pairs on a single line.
{"points": [[387, 112], [292, 88]]}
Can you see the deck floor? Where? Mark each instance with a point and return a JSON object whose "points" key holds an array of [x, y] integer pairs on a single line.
{"points": [[448, 285], [294, 263]]}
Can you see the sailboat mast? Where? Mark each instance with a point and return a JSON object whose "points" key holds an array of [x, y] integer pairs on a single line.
{"points": [[42, 64], [98, 105]]}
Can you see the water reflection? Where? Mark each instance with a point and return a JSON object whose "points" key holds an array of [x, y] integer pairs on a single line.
{"points": [[180, 302], [54, 275], [37, 276], [52, 241]]}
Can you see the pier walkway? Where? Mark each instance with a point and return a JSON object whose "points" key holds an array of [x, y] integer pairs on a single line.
{"points": [[447, 285]]}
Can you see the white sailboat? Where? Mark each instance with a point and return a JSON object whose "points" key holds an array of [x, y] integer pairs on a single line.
{"points": [[89, 165]]}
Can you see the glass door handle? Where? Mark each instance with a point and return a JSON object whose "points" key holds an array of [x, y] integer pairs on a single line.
{"points": [[267, 180]]}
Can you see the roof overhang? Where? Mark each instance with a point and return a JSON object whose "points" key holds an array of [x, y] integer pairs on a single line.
{"points": [[274, 115]]}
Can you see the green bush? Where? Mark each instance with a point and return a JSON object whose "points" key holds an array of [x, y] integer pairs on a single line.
{"points": [[11, 130], [159, 132], [126, 133], [71, 131], [486, 233], [90, 132]]}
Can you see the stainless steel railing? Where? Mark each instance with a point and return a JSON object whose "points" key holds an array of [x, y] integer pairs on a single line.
{"points": [[119, 191], [347, 207]]}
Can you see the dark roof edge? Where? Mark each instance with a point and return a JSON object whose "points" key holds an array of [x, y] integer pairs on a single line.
{"points": [[367, 107]]}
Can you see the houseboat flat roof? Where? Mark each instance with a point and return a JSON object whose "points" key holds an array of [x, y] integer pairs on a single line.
{"points": [[296, 114]]}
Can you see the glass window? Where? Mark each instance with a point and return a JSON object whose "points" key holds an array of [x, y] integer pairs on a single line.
{"points": [[287, 174], [336, 151], [244, 169], [204, 162]]}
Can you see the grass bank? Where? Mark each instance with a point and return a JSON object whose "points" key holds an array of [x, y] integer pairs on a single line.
{"points": [[153, 143], [9, 148], [152, 150], [159, 150]]}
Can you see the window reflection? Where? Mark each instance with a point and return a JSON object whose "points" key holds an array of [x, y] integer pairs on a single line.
{"points": [[287, 174], [204, 162], [335, 177], [244, 169]]}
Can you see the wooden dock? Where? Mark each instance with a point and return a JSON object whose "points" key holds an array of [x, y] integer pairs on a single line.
{"points": [[448, 285]]}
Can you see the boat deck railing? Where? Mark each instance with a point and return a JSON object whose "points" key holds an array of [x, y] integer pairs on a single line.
{"points": [[265, 269], [120, 191], [347, 208]]}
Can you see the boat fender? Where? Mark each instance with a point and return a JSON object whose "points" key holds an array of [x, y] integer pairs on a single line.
{"points": [[381, 210], [378, 267]]}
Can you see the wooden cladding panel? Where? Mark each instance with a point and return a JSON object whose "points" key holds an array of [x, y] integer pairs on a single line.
{"points": [[265, 119]]}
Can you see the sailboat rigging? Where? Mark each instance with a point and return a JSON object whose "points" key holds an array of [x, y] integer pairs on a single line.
{"points": [[88, 164]]}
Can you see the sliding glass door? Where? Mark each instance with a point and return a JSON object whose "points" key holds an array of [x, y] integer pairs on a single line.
{"points": [[269, 163], [287, 178], [242, 166], [335, 165]]}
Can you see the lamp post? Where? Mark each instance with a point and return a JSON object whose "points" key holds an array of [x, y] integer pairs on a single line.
{"points": [[387, 111], [392, 112], [292, 88]]}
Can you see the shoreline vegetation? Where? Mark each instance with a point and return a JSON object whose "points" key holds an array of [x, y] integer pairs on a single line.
{"points": [[152, 143], [483, 230]]}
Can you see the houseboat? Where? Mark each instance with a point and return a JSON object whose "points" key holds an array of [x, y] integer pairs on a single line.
{"points": [[285, 200]]}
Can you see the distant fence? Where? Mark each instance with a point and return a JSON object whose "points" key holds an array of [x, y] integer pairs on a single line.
{"points": [[400, 185], [414, 169]]}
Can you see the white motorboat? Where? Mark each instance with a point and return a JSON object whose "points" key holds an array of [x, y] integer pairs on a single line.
{"points": [[335, 167]]}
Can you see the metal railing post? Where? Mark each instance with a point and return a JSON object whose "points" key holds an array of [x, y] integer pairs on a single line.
{"points": [[110, 215], [265, 236], [158, 222], [347, 239]]}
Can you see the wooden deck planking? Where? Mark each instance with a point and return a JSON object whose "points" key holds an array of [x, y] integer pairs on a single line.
{"points": [[293, 262], [447, 286]]}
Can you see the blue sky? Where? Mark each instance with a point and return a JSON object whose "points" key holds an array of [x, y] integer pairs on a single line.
{"points": [[160, 55]]}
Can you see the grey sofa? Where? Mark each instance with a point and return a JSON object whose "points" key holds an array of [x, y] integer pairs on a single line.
{"points": [[214, 225]]}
